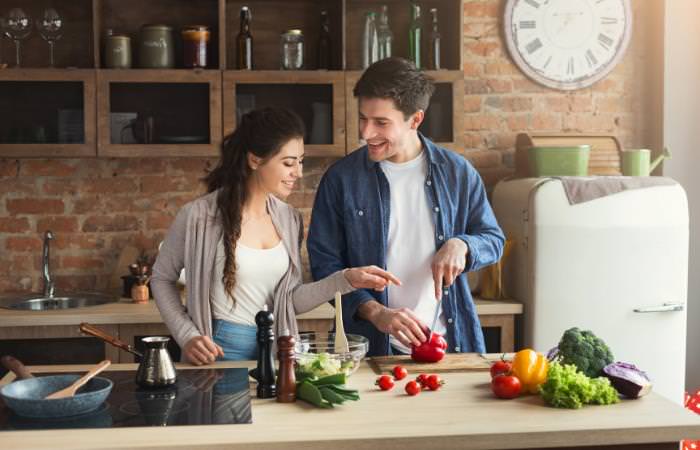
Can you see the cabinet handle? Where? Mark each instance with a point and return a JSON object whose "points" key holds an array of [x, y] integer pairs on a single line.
{"points": [[666, 307]]}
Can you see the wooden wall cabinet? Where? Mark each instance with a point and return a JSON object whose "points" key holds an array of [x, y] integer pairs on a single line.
{"points": [[192, 110]]}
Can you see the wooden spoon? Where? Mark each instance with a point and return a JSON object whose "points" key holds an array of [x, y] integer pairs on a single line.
{"points": [[71, 390], [341, 341]]}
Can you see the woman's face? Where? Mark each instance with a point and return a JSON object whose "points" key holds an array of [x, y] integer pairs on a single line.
{"points": [[279, 174]]}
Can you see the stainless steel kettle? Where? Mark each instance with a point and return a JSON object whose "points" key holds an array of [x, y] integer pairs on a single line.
{"points": [[156, 368]]}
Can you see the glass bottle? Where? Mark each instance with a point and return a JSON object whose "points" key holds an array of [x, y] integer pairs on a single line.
{"points": [[434, 43], [370, 41], [384, 34], [415, 35], [244, 42], [324, 43]]}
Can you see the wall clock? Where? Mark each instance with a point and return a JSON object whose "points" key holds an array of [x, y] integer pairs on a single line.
{"points": [[567, 44]]}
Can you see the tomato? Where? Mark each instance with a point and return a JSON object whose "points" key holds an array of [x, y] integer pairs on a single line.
{"points": [[400, 372], [506, 386], [422, 379], [385, 382], [412, 388], [500, 367], [434, 382]]}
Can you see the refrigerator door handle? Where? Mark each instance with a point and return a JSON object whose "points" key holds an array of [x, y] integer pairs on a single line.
{"points": [[666, 307]]}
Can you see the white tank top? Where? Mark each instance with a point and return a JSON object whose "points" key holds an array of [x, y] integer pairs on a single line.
{"points": [[258, 272]]}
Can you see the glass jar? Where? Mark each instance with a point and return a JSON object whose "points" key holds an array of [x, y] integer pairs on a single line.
{"points": [[117, 52], [292, 50], [195, 39], [156, 50]]}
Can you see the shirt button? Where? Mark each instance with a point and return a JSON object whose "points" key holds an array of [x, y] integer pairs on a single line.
{"points": [[437, 209], [441, 237], [445, 292], [360, 213], [449, 320], [428, 182], [457, 349]]}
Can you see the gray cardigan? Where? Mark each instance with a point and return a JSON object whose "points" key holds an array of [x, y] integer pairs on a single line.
{"points": [[191, 243]]}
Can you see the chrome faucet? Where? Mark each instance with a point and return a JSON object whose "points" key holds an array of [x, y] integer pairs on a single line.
{"points": [[48, 283]]}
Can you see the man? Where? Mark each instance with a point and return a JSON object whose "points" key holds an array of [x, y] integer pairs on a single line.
{"points": [[403, 203]]}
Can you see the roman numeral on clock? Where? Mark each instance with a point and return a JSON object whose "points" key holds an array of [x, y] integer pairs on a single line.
{"points": [[608, 20], [533, 46], [528, 24], [570, 67], [532, 3], [590, 57], [605, 40]]}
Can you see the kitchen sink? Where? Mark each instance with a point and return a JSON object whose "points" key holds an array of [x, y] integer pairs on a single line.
{"points": [[38, 302]]}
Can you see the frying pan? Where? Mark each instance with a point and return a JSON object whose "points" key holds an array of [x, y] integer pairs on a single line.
{"points": [[26, 397]]}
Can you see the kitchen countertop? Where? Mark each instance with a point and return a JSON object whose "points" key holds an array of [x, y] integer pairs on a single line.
{"points": [[463, 414], [127, 312]]}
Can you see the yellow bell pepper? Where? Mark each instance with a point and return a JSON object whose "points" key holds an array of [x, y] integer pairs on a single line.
{"points": [[530, 367]]}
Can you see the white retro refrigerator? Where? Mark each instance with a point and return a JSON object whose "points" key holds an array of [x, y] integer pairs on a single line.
{"points": [[617, 265]]}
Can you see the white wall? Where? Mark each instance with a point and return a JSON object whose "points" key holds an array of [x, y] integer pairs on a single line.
{"points": [[682, 136]]}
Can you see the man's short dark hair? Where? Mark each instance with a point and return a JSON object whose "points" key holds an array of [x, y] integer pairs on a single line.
{"points": [[396, 79]]}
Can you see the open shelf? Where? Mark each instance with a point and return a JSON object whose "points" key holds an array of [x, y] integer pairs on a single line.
{"points": [[62, 126], [318, 98], [159, 113]]}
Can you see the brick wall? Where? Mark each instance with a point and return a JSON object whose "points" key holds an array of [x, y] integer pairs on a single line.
{"points": [[96, 206]]}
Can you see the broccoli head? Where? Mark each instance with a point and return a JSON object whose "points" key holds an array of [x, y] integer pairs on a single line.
{"points": [[585, 350]]}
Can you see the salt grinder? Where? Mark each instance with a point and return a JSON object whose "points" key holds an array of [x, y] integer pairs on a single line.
{"points": [[286, 382], [266, 365]]}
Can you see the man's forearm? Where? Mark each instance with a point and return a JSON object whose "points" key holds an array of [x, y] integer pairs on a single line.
{"points": [[369, 310]]}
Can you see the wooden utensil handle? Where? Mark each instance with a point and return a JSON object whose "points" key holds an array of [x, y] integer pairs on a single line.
{"points": [[94, 331], [16, 366]]}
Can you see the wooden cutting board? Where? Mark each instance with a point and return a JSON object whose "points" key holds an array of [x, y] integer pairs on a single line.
{"points": [[452, 362]]}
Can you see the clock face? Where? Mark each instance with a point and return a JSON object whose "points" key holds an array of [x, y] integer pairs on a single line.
{"points": [[567, 44]]}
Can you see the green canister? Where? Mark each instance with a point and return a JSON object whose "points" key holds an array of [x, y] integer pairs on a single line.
{"points": [[117, 52], [156, 47]]}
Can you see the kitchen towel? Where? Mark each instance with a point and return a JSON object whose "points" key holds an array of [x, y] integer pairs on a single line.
{"points": [[584, 189]]}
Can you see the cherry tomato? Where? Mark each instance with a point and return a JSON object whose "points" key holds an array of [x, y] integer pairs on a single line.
{"points": [[500, 367], [434, 382], [385, 382], [422, 379], [412, 388], [400, 372], [506, 386]]}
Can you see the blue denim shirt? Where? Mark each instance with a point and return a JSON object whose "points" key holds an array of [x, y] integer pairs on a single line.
{"points": [[350, 227]]}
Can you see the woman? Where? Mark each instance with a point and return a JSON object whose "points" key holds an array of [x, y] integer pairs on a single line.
{"points": [[240, 247]]}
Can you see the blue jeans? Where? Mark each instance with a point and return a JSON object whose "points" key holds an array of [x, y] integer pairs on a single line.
{"points": [[238, 341]]}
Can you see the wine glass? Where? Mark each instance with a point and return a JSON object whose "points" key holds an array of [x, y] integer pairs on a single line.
{"points": [[18, 26], [50, 28]]}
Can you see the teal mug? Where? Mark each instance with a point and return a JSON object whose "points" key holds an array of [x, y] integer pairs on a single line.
{"points": [[637, 163]]}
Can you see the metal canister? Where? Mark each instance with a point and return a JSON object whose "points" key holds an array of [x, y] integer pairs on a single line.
{"points": [[156, 47], [117, 52]]}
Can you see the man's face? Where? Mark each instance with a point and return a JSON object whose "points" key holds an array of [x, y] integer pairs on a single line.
{"points": [[385, 129]]}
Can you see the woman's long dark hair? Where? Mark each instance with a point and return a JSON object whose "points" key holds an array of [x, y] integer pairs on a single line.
{"points": [[263, 133]]}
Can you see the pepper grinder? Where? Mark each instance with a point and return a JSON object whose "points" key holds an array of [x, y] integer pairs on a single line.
{"points": [[286, 382], [266, 366]]}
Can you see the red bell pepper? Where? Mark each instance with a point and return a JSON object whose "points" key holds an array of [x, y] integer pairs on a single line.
{"points": [[432, 350]]}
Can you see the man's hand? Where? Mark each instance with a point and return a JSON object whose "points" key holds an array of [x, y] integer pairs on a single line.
{"points": [[401, 323], [448, 263], [370, 277], [201, 350]]}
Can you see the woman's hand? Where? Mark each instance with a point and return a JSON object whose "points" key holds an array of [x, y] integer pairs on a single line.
{"points": [[201, 350], [370, 277]]}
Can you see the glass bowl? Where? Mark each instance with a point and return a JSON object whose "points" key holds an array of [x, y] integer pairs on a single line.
{"points": [[316, 356]]}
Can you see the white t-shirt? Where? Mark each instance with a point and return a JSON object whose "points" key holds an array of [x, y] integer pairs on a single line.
{"points": [[411, 245], [258, 272]]}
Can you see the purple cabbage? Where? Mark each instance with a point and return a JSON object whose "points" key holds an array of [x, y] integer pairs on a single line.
{"points": [[627, 379]]}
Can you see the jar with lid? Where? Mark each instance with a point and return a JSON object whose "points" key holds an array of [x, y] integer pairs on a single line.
{"points": [[292, 50], [195, 39], [156, 48], [117, 52]]}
